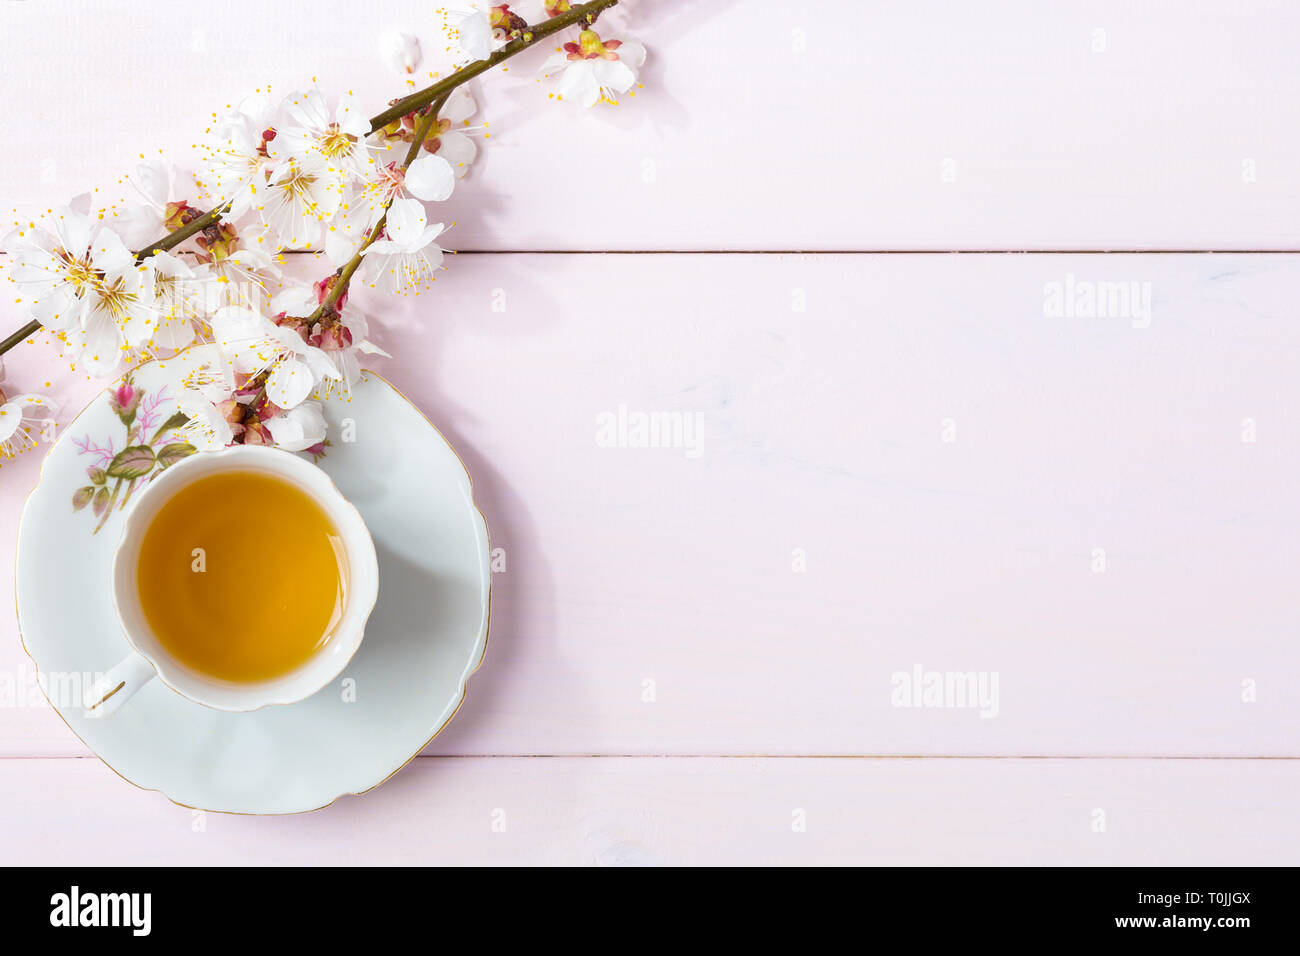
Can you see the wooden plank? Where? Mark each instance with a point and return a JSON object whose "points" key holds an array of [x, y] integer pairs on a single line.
{"points": [[1006, 125], [653, 599], [665, 811]]}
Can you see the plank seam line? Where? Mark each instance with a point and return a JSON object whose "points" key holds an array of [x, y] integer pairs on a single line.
{"points": [[760, 756], [864, 252], [850, 252]]}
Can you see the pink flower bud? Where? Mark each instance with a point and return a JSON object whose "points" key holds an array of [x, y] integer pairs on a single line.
{"points": [[124, 400], [323, 288]]}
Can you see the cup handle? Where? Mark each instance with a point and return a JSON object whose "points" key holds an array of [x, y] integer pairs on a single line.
{"points": [[119, 685]]}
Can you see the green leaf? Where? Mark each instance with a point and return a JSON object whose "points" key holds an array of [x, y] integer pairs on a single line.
{"points": [[96, 474], [176, 421], [132, 462], [101, 500], [171, 454], [82, 497]]}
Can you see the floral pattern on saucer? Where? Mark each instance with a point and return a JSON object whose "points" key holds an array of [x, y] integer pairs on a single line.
{"points": [[150, 445]]}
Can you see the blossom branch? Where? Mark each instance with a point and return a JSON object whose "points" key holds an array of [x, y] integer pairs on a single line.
{"points": [[585, 13], [435, 94], [28, 330], [343, 277], [177, 236], [174, 238]]}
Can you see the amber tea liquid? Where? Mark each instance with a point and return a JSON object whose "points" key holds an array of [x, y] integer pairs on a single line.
{"points": [[242, 576]]}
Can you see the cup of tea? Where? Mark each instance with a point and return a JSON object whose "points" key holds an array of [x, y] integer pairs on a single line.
{"points": [[243, 578]]}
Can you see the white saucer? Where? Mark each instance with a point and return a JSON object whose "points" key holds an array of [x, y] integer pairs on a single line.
{"points": [[425, 638]]}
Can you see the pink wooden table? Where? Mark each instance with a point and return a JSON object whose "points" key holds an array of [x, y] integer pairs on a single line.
{"points": [[905, 462]]}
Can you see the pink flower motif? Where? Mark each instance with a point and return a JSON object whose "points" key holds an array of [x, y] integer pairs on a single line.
{"points": [[101, 454], [149, 413], [124, 400]]}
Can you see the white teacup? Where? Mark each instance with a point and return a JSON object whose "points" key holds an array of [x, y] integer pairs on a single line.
{"points": [[149, 659]]}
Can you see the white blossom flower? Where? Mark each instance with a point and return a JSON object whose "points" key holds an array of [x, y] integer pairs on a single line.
{"points": [[254, 344], [344, 341], [594, 71], [400, 51], [299, 428], [472, 33], [303, 193], [348, 229], [207, 428], [406, 256], [237, 160], [83, 283], [54, 270], [207, 373], [450, 137], [145, 221], [120, 312], [348, 360], [205, 383], [176, 318], [429, 177], [477, 32], [296, 300], [23, 420], [235, 276], [341, 139]]}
